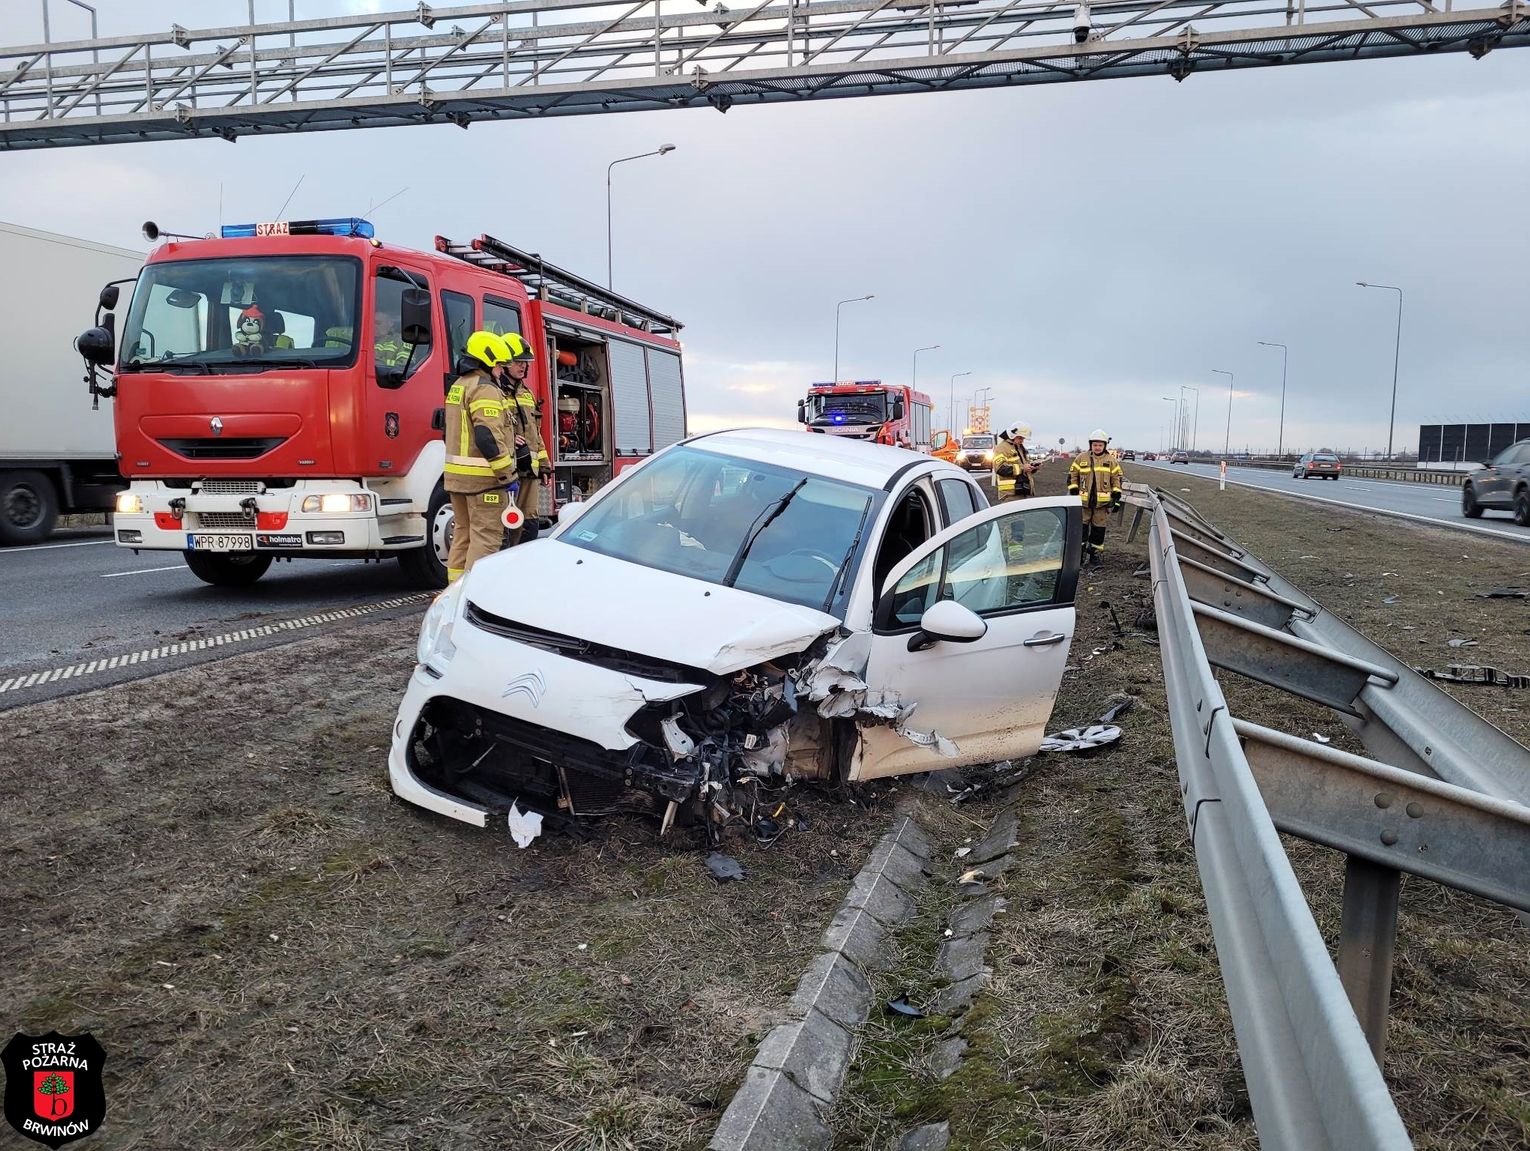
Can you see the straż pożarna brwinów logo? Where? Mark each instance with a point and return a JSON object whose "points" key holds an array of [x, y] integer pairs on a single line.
{"points": [[53, 1091]]}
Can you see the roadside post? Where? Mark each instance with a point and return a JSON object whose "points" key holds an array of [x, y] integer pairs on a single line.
{"points": [[1222, 477]]}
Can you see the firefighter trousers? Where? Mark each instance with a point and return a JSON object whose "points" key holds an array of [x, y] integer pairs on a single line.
{"points": [[1095, 521], [478, 531]]}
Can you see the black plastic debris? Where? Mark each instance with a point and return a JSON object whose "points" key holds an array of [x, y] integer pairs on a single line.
{"points": [[1504, 593], [766, 828], [724, 867], [901, 1006], [1117, 711], [1472, 673]]}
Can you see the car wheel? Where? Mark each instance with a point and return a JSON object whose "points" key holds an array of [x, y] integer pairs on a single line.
{"points": [[1522, 508], [426, 567], [1469, 505], [227, 569], [28, 507]]}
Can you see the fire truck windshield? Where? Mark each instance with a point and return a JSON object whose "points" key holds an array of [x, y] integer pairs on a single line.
{"points": [[251, 313], [850, 408]]}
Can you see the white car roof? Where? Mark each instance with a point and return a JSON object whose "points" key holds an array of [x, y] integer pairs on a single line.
{"points": [[834, 457]]}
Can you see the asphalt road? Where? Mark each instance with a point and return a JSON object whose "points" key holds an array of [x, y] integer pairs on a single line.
{"points": [[1431, 503], [79, 596]]}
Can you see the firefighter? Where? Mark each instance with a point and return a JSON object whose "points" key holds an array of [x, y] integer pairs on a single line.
{"points": [[1095, 477], [480, 455], [533, 466], [389, 351], [1012, 467]]}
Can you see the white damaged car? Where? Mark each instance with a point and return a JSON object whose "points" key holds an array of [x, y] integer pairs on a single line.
{"points": [[745, 608]]}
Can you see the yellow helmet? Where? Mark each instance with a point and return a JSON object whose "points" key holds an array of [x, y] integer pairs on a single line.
{"points": [[518, 347], [488, 349]]}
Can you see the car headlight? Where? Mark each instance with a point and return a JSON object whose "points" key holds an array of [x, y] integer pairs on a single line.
{"points": [[128, 504], [338, 502], [961, 457], [436, 628]]}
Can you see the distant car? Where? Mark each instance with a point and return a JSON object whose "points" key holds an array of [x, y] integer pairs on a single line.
{"points": [[1503, 484], [976, 452], [1180, 458], [1151, 456], [1324, 464], [1128, 454]]}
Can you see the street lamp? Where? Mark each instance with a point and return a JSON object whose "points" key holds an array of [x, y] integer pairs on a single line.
{"points": [[1281, 439], [951, 400], [661, 150], [837, 307], [914, 383], [1196, 426], [1396, 350], [1227, 444], [1173, 440]]}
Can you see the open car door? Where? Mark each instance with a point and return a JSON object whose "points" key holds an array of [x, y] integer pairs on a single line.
{"points": [[973, 629]]}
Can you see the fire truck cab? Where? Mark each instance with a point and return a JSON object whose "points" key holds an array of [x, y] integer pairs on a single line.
{"points": [[279, 390], [868, 410]]}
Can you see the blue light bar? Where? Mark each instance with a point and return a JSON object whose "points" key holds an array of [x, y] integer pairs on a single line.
{"points": [[340, 226]]}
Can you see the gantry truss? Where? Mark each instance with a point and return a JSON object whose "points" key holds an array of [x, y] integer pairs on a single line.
{"points": [[537, 58]]}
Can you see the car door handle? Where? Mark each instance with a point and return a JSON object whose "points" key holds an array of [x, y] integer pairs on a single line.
{"points": [[1044, 640]]}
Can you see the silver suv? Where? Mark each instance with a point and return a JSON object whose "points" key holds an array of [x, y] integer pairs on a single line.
{"points": [[1503, 484]]}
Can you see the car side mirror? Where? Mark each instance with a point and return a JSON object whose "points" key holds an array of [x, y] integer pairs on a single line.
{"points": [[414, 316], [570, 512], [108, 297], [802, 411], [948, 621]]}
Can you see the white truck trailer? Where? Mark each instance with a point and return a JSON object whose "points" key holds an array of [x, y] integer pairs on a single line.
{"points": [[57, 453]]}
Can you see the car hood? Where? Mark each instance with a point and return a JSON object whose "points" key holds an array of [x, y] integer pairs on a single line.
{"points": [[560, 588]]}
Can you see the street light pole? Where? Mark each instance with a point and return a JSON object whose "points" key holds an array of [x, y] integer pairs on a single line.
{"points": [[1281, 438], [661, 150], [1227, 444], [837, 307], [1396, 352], [1173, 444], [1194, 434], [914, 382], [952, 398]]}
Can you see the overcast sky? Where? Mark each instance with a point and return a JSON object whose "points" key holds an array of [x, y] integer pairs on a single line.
{"points": [[1082, 249]]}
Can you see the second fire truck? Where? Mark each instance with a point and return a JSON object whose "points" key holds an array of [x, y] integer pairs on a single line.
{"points": [[868, 410]]}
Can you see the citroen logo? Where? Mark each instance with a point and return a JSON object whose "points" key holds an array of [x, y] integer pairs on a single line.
{"points": [[217, 425], [528, 683]]}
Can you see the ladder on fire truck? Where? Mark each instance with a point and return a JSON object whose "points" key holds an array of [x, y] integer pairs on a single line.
{"points": [[550, 283]]}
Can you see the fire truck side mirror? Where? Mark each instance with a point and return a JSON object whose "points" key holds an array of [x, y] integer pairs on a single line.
{"points": [[802, 411], [414, 316], [108, 298], [897, 408], [98, 345]]}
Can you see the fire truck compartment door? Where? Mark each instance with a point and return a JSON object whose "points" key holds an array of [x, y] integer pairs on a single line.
{"points": [[629, 398]]}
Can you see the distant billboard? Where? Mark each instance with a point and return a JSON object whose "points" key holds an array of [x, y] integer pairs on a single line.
{"points": [[1467, 443]]}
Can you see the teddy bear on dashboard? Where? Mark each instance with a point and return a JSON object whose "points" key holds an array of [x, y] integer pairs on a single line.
{"points": [[249, 331]]}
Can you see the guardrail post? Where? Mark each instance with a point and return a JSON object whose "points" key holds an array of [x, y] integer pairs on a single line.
{"points": [[1367, 932]]}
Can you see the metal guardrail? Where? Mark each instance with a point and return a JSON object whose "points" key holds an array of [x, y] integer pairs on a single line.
{"points": [[1397, 472], [1446, 799]]}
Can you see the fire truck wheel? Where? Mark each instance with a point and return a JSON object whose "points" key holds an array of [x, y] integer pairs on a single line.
{"points": [[426, 567], [227, 569], [28, 507]]}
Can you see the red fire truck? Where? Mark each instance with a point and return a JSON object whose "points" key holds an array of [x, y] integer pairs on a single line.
{"points": [[279, 390], [868, 410]]}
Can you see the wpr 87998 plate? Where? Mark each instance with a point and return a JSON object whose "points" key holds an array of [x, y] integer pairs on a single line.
{"points": [[220, 541]]}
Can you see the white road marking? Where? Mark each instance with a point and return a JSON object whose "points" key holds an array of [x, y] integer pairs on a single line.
{"points": [[186, 647], [49, 547], [146, 571]]}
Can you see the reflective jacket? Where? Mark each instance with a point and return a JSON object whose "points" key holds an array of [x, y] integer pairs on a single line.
{"points": [[1095, 479], [480, 453], [1019, 484], [526, 418]]}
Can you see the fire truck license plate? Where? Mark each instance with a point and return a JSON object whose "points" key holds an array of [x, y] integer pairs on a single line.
{"points": [[220, 541]]}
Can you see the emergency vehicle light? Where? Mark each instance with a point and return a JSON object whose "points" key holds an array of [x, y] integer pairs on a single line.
{"points": [[339, 226]]}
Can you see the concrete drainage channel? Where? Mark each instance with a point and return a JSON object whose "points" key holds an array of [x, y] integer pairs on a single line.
{"points": [[789, 1089]]}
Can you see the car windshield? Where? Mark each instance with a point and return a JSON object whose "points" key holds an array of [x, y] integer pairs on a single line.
{"points": [[849, 408], [245, 314], [977, 443], [783, 533]]}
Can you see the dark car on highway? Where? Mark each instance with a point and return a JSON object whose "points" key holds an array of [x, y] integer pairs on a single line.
{"points": [[1503, 484], [1324, 464]]}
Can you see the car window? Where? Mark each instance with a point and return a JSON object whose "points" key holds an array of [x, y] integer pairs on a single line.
{"points": [[1513, 454], [910, 524], [957, 498], [1326, 458], [1005, 564]]}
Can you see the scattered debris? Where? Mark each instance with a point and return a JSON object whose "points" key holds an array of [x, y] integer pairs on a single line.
{"points": [[1504, 593], [1392, 599], [976, 875], [1462, 642], [724, 867], [524, 825], [1321, 738], [961, 853], [1119, 708], [1471, 673], [901, 1006], [1081, 739]]}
